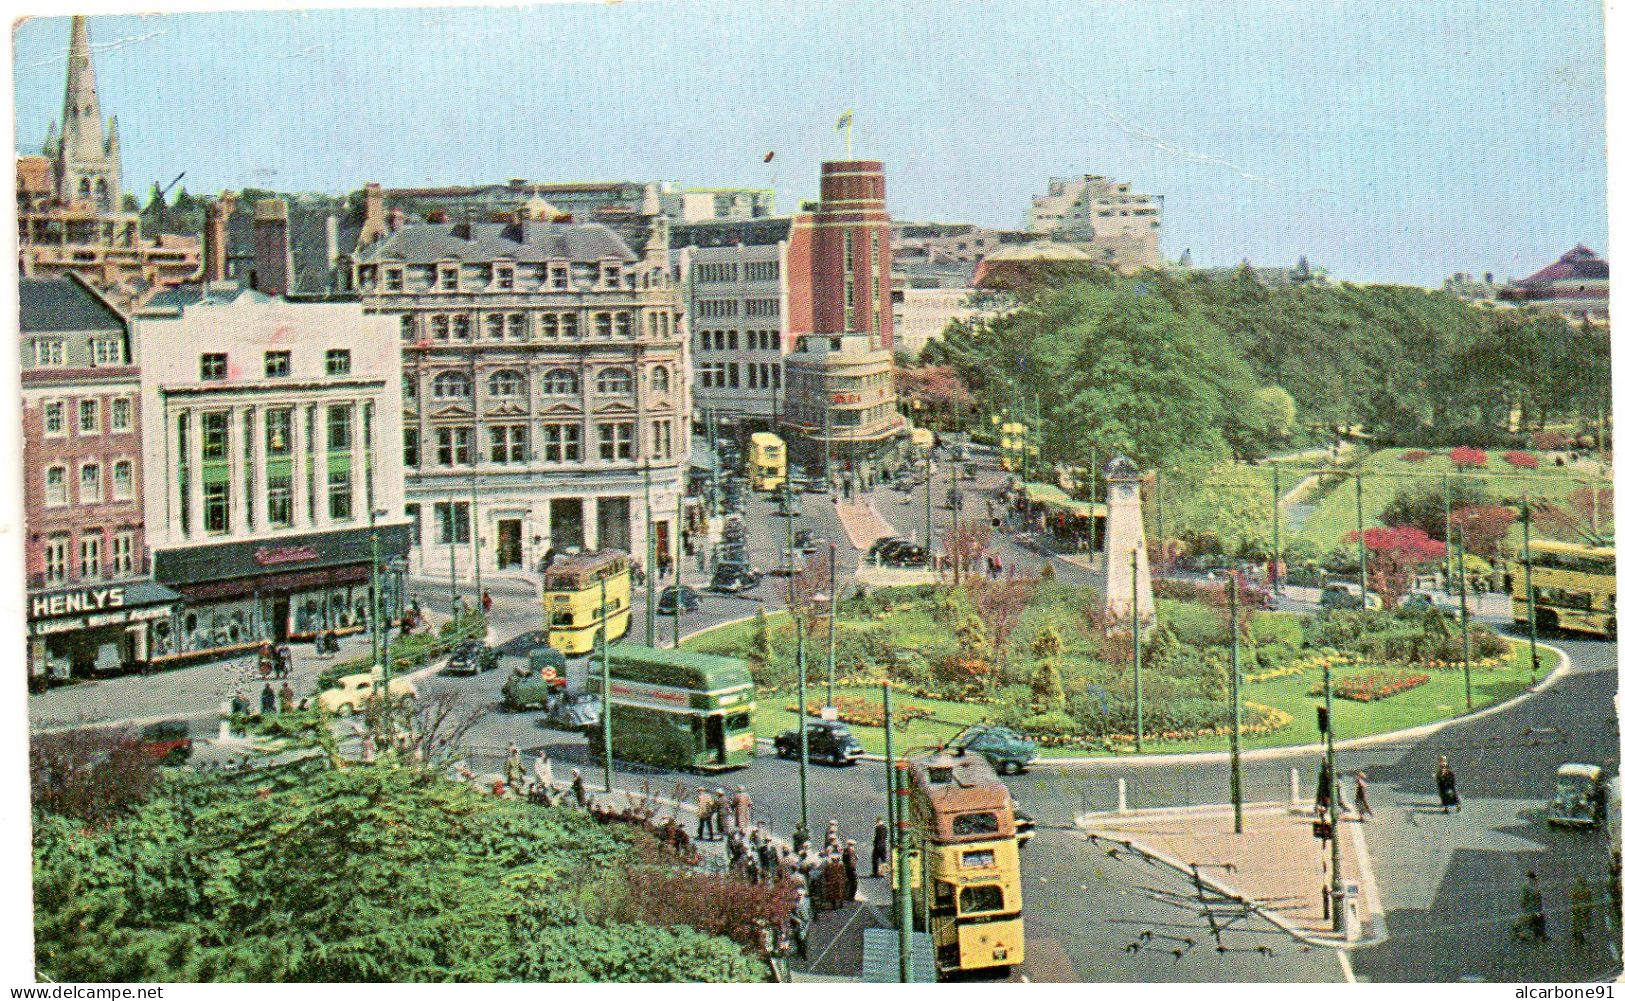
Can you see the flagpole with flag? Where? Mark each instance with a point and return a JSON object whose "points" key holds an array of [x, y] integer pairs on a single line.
{"points": [[845, 122]]}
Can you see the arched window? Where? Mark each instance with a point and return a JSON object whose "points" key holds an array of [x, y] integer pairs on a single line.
{"points": [[451, 386], [614, 381], [561, 382], [660, 379], [507, 384], [101, 192], [84, 188]]}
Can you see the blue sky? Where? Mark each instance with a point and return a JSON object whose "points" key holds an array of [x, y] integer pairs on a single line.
{"points": [[1387, 141]]}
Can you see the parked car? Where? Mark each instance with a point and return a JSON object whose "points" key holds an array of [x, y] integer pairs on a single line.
{"points": [[471, 657], [899, 553], [1334, 597], [733, 577], [1006, 750], [828, 742], [168, 742], [574, 711], [353, 691], [1581, 799], [670, 596], [879, 545]]}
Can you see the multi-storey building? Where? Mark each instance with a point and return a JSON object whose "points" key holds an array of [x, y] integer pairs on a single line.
{"points": [[91, 600], [922, 315], [736, 277], [545, 386], [1575, 286], [275, 422], [840, 397], [1122, 227], [683, 205], [70, 201]]}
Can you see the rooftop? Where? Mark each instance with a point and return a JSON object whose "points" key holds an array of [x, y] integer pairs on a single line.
{"points": [[50, 305], [426, 243]]}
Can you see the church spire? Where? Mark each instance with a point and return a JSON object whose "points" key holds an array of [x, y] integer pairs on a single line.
{"points": [[87, 153]]}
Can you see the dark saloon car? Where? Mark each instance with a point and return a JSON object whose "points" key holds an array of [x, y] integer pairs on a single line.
{"points": [[471, 657], [828, 742], [669, 597], [733, 577]]}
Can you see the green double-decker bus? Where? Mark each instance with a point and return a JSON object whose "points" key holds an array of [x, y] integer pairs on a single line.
{"points": [[676, 709]]}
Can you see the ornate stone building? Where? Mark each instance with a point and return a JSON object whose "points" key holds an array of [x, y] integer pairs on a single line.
{"points": [[545, 385]]}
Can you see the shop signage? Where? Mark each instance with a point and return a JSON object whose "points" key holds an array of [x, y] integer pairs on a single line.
{"points": [[194, 565], [267, 556], [91, 599], [846, 397]]}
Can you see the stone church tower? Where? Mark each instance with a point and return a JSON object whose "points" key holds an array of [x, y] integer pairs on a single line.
{"points": [[85, 155]]}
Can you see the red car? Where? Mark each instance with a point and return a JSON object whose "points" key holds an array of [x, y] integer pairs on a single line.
{"points": [[168, 742]]}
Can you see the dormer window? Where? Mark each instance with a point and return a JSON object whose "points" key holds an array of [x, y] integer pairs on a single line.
{"points": [[609, 274], [558, 276], [448, 277], [502, 277]]}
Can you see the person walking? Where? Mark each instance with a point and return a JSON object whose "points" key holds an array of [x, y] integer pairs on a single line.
{"points": [[741, 808], [267, 700], [284, 697], [543, 768], [1445, 777], [801, 919], [485, 602], [1579, 910], [1361, 802], [578, 788], [1533, 922], [513, 769], [849, 863], [881, 848], [799, 840], [725, 824], [835, 896], [705, 805]]}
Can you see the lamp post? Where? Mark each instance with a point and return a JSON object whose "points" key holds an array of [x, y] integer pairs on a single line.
{"points": [[834, 606], [603, 668], [474, 483], [1235, 702], [791, 597], [1331, 779], [1275, 521], [677, 578], [1359, 527], [1529, 598], [648, 562], [1139, 704]]}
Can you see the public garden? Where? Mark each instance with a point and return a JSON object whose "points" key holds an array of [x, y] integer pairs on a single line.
{"points": [[1034, 654]]}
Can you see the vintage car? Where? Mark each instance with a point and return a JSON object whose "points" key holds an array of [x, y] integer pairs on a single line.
{"points": [[826, 741], [536, 686], [1006, 750], [1581, 799], [353, 691], [168, 742], [471, 657]]}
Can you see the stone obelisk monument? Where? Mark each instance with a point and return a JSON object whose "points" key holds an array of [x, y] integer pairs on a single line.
{"points": [[1125, 548]]}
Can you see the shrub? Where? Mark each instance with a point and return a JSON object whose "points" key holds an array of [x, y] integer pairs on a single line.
{"points": [[1521, 460], [1468, 457], [1055, 723], [1416, 455], [90, 775]]}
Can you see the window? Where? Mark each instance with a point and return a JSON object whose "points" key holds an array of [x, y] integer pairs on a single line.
{"points": [[761, 271], [212, 366], [615, 440], [980, 899], [558, 277], [407, 328], [451, 527], [660, 379], [761, 307], [460, 326], [718, 307], [562, 442], [507, 384], [124, 554], [340, 427], [215, 430], [123, 480], [90, 554], [705, 340], [56, 486], [976, 859], [50, 352], [516, 327], [609, 273], [976, 823], [508, 444], [409, 451], [661, 445], [441, 325], [733, 340], [106, 351], [775, 340], [494, 326], [90, 483], [52, 418], [448, 277], [504, 276], [733, 375], [279, 498], [121, 413], [392, 280], [451, 386], [600, 325], [278, 364], [569, 324], [561, 382], [453, 446], [279, 432], [90, 416], [623, 325], [338, 361], [56, 559], [550, 326], [338, 495], [615, 381], [216, 508]]}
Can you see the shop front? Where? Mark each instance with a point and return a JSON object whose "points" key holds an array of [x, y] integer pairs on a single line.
{"points": [[82, 632], [237, 595]]}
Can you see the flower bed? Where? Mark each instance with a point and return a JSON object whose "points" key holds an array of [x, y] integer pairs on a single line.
{"points": [[1264, 720], [867, 712], [1416, 455], [1373, 686], [1317, 661]]}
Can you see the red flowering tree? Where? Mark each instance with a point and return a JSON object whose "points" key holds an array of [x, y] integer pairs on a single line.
{"points": [[1521, 460], [1482, 528], [1416, 455], [1393, 556], [936, 388], [1467, 457]]}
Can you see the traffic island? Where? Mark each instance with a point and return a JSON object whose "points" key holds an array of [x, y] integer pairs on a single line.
{"points": [[1277, 867]]}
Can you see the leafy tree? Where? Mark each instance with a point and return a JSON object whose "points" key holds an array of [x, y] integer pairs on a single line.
{"points": [[1393, 554], [761, 642], [1279, 413], [1482, 528], [1422, 506]]}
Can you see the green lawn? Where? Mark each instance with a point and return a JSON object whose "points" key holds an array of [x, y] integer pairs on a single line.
{"points": [[1387, 475]]}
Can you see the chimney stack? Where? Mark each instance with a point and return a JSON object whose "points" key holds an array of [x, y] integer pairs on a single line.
{"points": [[217, 216], [332, 241], [397, 219], [273, 261], [372, 223]]}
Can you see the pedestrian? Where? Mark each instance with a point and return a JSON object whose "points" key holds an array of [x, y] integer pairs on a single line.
{"points": [[741, 807], [284, 659], [239, 705], [849, 863], [1446, 779], [816, 874], [1361, 803], [725, 823], [798, 840], [513, 769], [801, 918], [835, 895], [767, 857], [881, 849], [543, 767], [680, 843], [705, 805], [485, 602], [1579, 910], [1533, 923], [266, 662], [284, 697], [267, 700], [578, 787], [832, 836]]}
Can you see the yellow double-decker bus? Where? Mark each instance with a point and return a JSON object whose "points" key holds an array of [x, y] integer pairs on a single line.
{"points": [[1573, 585], [1012, 443], [584, 595], [968, 891], [767, 459]]}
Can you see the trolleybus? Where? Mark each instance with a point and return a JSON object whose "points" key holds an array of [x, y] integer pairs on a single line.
{"points": [[676, 709], [585, 595], [1573, 585]]}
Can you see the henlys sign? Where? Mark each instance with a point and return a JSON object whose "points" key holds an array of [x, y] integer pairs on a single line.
{"points": [[91, 599]]}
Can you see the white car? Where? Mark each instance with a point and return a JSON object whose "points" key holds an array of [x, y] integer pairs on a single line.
{"points": [[354, 690]]}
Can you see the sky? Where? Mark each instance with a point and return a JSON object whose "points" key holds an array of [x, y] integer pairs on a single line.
{"points": [[1389, 141]]}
